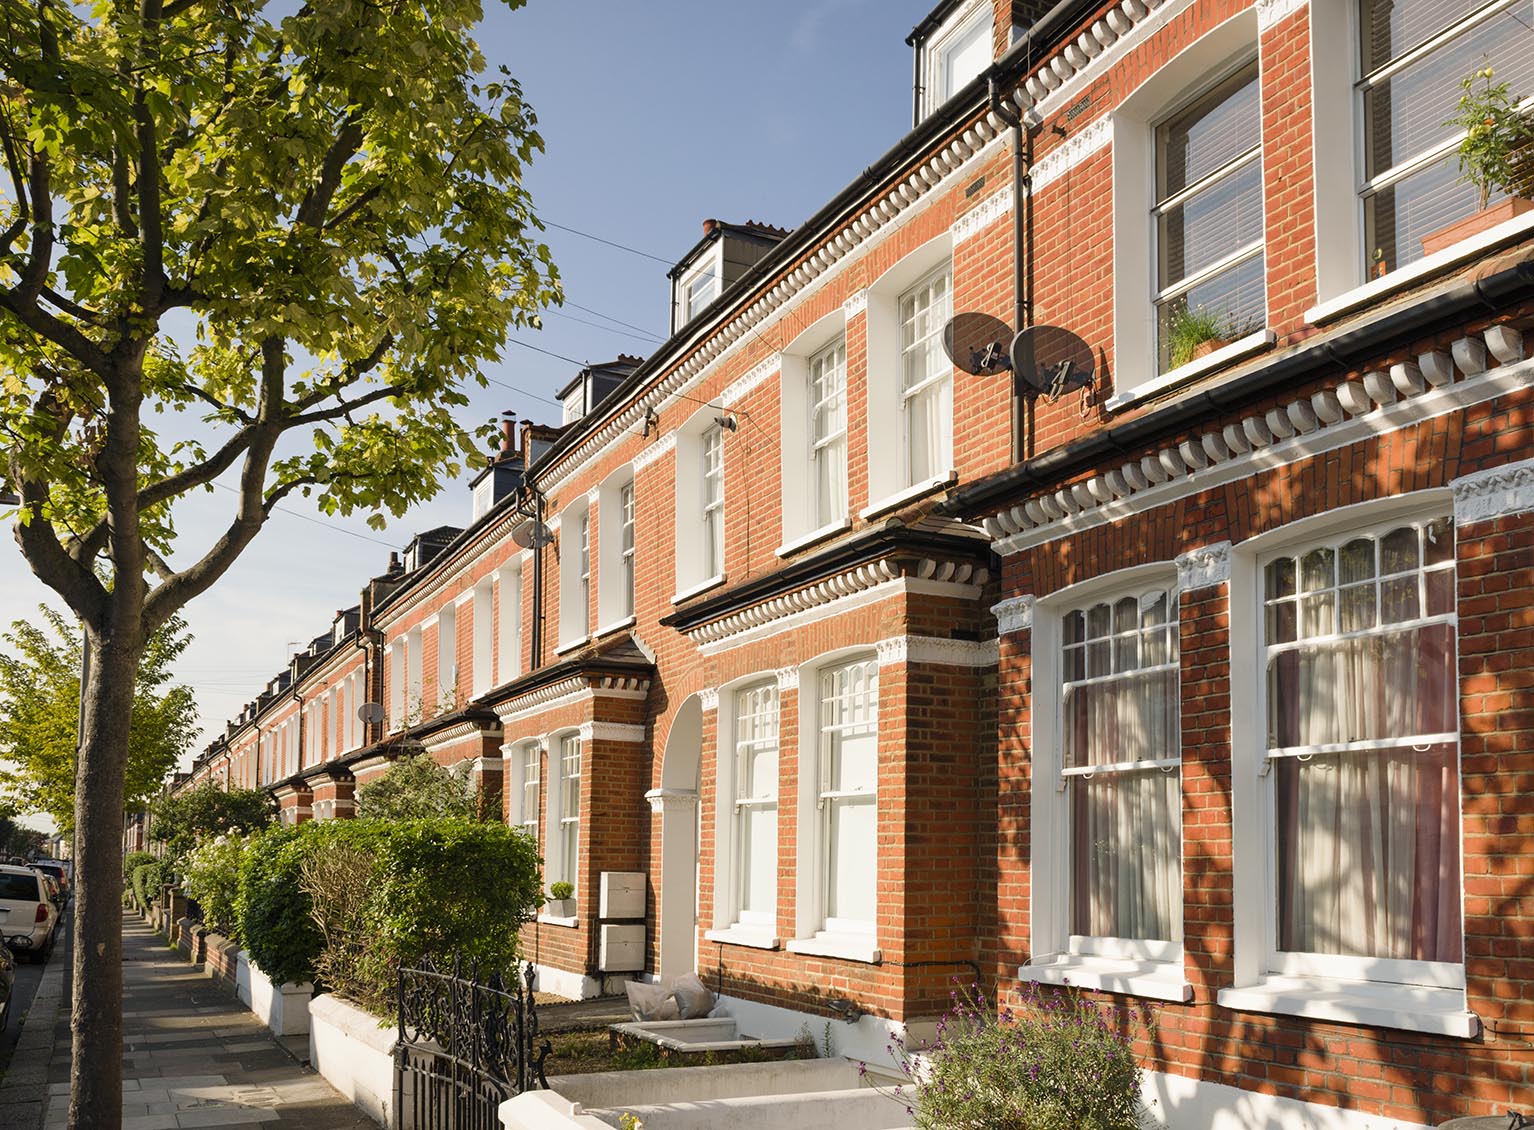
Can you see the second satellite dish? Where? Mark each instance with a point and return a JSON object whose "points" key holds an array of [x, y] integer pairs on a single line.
{"points": [[1051, 360], [370, 713]]}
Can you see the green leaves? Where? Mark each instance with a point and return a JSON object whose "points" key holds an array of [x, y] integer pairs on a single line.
{"points": [[185, 819], [39, 715], [313, 224]]}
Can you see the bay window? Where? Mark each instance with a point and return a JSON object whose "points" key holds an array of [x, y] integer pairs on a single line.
{"points": [[1412, 58], [1120, 758], [754, 828], [847, 796], [569, 824], [1208, 220], [1361, 757]]}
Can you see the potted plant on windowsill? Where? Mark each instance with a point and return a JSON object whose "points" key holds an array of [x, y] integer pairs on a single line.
{"points": [[561, 901], [1196, 333], [1497, 154]]}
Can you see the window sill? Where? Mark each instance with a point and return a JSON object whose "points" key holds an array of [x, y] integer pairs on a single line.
{"points": [[1460, 252], [559, 920], [849, 947], [804, 541], [572, 645], [687, 594], [1237, 350], [615, 626], [1161, 980], [1408, 1008], [909, 494], [757, 939]]}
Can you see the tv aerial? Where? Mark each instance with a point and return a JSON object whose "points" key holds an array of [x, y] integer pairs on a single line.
{"points": [[532, 535], [1046, 360]]}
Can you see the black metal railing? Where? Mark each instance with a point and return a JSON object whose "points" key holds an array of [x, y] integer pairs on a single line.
{"points": [[465, 1046]]}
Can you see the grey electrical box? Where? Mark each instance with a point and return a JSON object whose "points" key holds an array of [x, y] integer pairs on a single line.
{"points": [[622, 895], [622, 949]]}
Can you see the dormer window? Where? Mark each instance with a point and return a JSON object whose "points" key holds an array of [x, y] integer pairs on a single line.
{"points": [[954, 46], [699, 290]]}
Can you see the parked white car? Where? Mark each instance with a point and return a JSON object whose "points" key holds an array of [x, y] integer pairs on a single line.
{"points": [[27, 915]]}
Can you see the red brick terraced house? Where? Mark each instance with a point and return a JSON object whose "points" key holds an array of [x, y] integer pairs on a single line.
{"points": [[1178, 650]]}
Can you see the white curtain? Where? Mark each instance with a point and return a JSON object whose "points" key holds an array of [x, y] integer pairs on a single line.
{"points": [[1368, 839]]}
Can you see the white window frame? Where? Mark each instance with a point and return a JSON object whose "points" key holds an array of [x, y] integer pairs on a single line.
{"points": [[508, 610], [414, 704], [818, 932], [483, 627], [447, 657], [1136, 363], [1255, 249], [693, 572], [889, 482], [559, 868], [801, 523], [615, 551], [1140, 968], [829, 363], [932, 386], [1437, 1009], [732, 922], [1342, 280], [397, 680], [525, 761], [574, 574], [938, 45], [709, 267], [1338, 966], [712, 511]]}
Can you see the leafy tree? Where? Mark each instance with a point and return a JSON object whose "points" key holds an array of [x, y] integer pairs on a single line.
{"points": [[40, 713], [327, 206], [417, 787], [17, 839], [180, 820]]}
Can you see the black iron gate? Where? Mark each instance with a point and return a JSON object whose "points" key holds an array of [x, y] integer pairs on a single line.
{"points": [[465, 1046]]}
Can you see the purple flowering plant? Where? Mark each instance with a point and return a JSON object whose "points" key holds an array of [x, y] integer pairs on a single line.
{"points": [[1059, 1061]]}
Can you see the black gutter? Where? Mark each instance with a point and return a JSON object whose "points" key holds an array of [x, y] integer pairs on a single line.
{"points": [[1048, 31], [1405, 322], [930, 22], [874, 544]]}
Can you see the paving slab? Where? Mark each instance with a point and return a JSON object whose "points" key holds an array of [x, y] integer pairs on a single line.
{"points": [[193, 1057]]}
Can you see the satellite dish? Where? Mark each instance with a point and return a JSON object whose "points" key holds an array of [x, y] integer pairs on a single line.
{"points": [[1050, 360], [977, 343], [532, 535], [370, 713]]}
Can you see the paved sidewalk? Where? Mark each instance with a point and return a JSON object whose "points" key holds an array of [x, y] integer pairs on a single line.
{"points": [[194, 1057]]}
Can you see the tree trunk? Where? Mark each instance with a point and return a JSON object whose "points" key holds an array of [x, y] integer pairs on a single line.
{"points": [[96, 1025]]}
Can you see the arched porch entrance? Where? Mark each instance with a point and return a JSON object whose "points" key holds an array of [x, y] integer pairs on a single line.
{"points": [[676, 803]]}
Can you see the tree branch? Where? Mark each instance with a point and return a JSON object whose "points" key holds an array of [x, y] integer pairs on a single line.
{"points": [[317, 200], [150, 239]]}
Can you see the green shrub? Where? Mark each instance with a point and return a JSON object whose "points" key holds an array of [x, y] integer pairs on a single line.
{"points": [[1061, 1062], [211, 875], [449, 887], [133, 860], [182, 819], [148, 878], [271, 908], [417, 788]]}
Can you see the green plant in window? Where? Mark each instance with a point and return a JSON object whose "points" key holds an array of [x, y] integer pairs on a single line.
{"points": [[561, 890], [1190, 329], [1498, 148]]}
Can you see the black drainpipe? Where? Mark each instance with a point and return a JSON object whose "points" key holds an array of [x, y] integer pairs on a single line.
{"points": [[1022, 260]]}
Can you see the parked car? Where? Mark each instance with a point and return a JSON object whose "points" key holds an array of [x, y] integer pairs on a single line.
{"points": [[56, 893], [7, 983], [27, 914], [58, 871]]}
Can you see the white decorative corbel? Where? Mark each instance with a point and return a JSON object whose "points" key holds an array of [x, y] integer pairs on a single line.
{"points": [[1201, 568], [893, 650], [709, 696], [1014, 614], [856, 304], [788, 678]]}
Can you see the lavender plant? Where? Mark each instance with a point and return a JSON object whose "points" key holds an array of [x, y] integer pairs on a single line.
{"points": [[1059, 1062]]}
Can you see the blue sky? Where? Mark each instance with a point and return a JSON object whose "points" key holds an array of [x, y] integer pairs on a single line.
{"points": [[655, 116]]}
